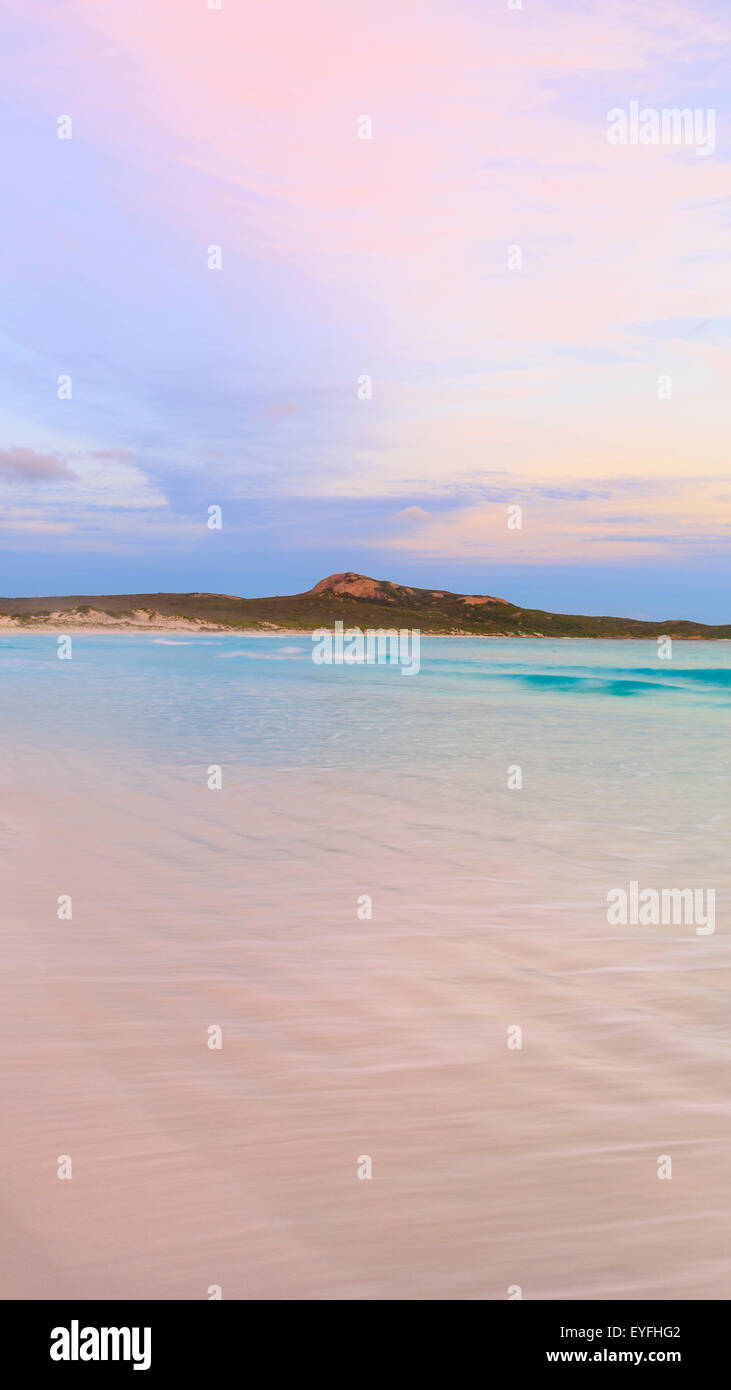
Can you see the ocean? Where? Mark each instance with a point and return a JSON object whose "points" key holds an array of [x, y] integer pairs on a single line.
{"points": [[390, 895]]}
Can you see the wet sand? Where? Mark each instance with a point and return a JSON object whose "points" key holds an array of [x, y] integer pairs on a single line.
{"points": [[342, 1038]]}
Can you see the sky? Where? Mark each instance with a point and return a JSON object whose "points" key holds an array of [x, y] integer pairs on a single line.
{"points": [[440, 291]]}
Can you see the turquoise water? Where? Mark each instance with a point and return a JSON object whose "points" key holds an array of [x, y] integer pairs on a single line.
{"points": [[612, 742], [263, 701]]}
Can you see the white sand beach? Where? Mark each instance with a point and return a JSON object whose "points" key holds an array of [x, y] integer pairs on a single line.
{"points": [[341, 1038]]}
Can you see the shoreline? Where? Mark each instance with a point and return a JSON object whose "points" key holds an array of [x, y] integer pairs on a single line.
{"points": [[204, 630]]}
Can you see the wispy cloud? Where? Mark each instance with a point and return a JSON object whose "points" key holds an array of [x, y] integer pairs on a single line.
{"points": [[27, 466]]}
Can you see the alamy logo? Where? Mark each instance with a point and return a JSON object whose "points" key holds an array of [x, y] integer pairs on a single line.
{"points": [[670, 125], [668, 907], [102, 1344], [376, 646]]}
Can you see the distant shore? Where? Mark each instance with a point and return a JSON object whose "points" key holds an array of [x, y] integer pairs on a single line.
{"points": [[59, 628]]}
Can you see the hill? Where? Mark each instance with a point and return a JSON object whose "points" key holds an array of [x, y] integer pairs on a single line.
{"points": [[354, 599]]}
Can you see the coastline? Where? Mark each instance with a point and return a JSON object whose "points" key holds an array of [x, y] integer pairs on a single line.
{"points": [[76, 629]]}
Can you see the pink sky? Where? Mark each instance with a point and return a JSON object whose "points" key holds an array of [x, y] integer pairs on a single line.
{"points": [[389, 256]]}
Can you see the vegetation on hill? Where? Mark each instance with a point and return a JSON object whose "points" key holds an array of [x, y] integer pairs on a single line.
{"points": [[354, 599]]}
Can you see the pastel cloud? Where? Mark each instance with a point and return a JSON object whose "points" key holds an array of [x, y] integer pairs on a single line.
{"points": [[693, 518], [413, 514], [25, 465]]}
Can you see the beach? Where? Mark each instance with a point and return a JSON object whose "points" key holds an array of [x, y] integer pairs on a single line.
{"points": [[367, 913]]}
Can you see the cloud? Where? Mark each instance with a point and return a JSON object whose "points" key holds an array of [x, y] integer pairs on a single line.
{"points": [[689, 517], [30, 467], [119, 454], [36, 527], [276, 413], [685, 328], [413, 514]]}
